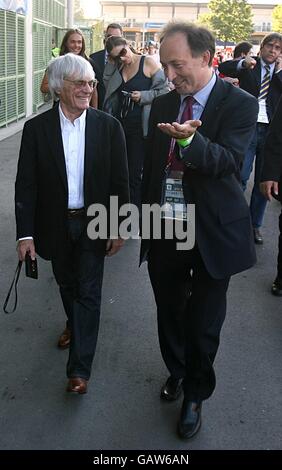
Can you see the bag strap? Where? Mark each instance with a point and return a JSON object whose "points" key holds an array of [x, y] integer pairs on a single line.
{"points": [[14, 282]]}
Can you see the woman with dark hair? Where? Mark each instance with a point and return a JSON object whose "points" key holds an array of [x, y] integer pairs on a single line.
{"points": [[132, 81], [73, 41]]}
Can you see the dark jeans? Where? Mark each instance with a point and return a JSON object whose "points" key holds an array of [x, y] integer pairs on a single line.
{"points": [[255, 151], [188, 326], [79, 274]]}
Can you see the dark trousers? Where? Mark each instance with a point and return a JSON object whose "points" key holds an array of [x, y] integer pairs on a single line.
{"points": [[188, 326], [279, 258], [79, 274], [135, 145]]}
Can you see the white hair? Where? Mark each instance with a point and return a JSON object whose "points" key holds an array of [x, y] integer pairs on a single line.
{"points": [[67, 66]]}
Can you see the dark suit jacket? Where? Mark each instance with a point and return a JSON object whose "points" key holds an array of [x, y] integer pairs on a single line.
{"points": [[211, 181], [250, 81], [272, 168], [41, 185], [98, 59]]}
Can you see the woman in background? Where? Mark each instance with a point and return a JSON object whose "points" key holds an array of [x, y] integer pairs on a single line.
{"points": [[73, 41], [132, 81]]}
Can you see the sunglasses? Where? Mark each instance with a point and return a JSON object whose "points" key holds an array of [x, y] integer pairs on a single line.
{"points": [[122, 53]]}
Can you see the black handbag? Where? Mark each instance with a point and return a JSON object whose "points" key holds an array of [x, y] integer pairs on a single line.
{"points": [[30, 271]]}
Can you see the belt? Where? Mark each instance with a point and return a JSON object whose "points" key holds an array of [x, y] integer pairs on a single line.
{"points": [[75, 212]]}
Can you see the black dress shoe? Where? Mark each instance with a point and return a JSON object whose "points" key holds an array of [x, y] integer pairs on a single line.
{"points": [[190, 419], [172, 389], [276, 288], [258, 236]]}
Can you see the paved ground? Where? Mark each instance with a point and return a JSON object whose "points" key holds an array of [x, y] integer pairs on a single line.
{"points": [[122, 409]]}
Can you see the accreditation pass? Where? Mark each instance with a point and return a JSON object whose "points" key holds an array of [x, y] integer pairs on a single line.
{"points": [[174, 206]]}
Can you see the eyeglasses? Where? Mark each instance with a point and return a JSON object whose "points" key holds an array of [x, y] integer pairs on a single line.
{"points": [[82, 83], [122, 53]]}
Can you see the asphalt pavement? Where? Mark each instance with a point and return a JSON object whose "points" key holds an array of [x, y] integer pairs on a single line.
{"points": [[122, 409]]}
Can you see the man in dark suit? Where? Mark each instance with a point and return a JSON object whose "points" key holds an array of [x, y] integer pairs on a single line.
{"points": [[271, 181], [99, 59], [260, 77], [70, 158], [198, 135]]}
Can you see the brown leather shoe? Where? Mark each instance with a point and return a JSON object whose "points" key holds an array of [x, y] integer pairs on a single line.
{"points": [[64, 339], [77, 385]]}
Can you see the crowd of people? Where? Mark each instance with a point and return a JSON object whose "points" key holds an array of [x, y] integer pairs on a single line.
{"points": [[182, 129]]}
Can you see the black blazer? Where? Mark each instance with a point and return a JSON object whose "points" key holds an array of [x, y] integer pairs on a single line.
{"points": [[272, 168], [98, 61], [250, 81], [211, 181], [41, 195]]}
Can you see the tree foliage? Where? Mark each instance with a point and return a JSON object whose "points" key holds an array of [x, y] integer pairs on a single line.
{"points": [[277, 19], [231, 20], [204, 19]]}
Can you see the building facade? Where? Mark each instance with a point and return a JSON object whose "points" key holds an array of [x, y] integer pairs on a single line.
{"points": [[143, 20], [26, 31]]}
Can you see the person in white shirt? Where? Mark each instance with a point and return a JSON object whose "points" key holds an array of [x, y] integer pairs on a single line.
{"points": [[154, 52], [71, 157], [262, 78]]}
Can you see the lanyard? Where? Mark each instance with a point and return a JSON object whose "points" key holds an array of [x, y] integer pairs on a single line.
{"points": [[14, 283], [171, 155]]}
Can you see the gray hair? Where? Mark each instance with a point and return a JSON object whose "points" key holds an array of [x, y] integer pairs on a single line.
{"points": [[67, 66]]}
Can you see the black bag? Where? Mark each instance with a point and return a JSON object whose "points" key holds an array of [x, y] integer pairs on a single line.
{"points": [[30, 271]]}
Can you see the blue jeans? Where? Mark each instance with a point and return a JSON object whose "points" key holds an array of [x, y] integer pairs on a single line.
{"points": [[258, 201]]}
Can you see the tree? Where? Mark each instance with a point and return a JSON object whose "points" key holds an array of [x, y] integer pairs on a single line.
{"points": [[277, 19], [78, 11], [231, 20], [204, 19]]}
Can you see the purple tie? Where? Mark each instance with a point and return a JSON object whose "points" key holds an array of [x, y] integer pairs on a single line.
{"points": [[187, 114]]}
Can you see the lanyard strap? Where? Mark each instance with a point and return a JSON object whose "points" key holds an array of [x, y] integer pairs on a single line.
{"points": [[171, 155], [14, 282]]}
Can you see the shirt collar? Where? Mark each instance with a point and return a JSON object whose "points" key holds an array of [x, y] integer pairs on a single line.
{"points": [[202, 95], [80, 121], [263, 64]]}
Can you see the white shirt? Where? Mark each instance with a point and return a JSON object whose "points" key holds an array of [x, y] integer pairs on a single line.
{"points": [[262, 115], [73, 135], [262, 68]]}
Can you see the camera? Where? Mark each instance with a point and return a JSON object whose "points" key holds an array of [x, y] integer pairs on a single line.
{"points": [[31, 267], [126, 93]]}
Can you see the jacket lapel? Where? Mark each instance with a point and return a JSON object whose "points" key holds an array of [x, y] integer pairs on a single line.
{"points": [[212, 108], [170, 114], [92, 149], [257, 74], [54, 137]]}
